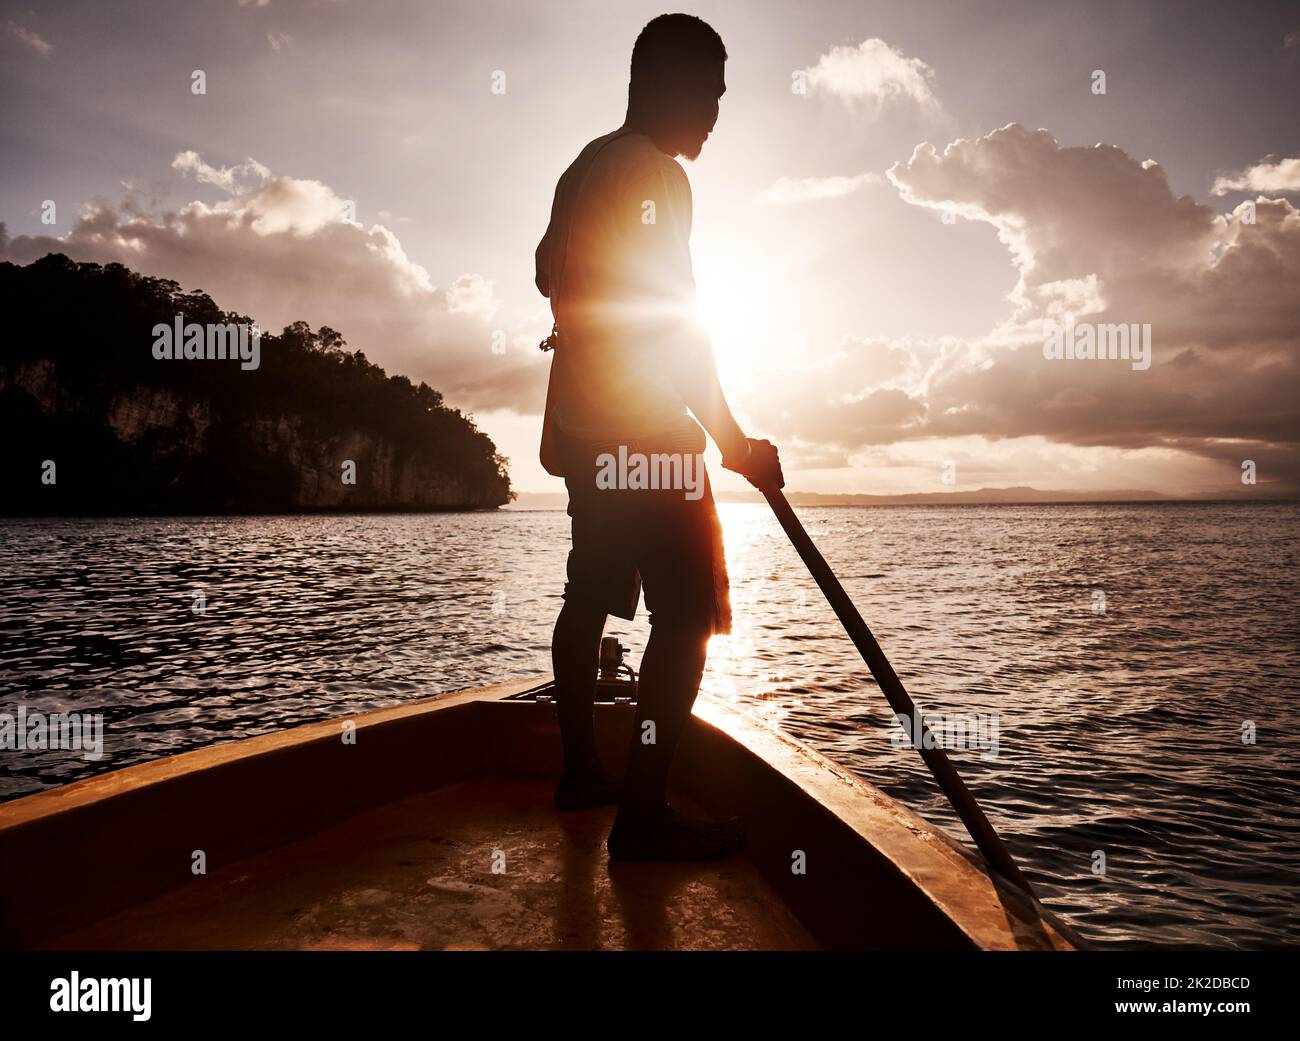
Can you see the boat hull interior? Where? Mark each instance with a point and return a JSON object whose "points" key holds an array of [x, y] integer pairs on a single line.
{"points": [[429, 826]]}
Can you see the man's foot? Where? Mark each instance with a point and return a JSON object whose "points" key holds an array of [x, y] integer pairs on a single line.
{"points": [[669, 835], [588, 789]]}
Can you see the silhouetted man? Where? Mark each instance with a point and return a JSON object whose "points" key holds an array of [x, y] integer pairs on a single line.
{"points": [[629, 364]]}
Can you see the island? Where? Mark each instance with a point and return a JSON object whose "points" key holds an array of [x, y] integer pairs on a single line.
{"points": [[97, 419]]}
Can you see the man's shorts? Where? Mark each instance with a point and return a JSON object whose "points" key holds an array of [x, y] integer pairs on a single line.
{"points": [[660, 538]]}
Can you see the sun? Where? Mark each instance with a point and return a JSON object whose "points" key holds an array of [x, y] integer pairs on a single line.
{"points": [[728, 315], [749, 310], [720, 307]]}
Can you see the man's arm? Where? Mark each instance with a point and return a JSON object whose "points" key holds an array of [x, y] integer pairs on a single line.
{"points": [[694, 373], [666, 276]]}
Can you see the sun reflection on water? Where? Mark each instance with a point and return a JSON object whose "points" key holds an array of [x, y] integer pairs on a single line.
{"points": [[739, 666]]}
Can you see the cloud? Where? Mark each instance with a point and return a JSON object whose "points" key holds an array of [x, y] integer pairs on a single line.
{"points": [[856, 395], [807, 189], [1093, 230], [1064, 213], [1268, 175], [226, 177], [29, 38], [1098, 236], [278, 41], [278, 250], [873, 72]]}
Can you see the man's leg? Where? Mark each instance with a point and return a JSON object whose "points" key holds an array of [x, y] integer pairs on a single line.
{"points": [[575, 648], [683, 569], [646, 827], [600, 579], [671, 669]]}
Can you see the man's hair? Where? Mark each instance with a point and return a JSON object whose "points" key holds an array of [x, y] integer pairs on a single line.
{"points": [[669, 42]]}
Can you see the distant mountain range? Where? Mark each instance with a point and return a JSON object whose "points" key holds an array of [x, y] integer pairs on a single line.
{"points": [[987, 496]]}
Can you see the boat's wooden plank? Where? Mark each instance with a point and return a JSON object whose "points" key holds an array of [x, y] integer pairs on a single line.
{"points": [[418, 874]]}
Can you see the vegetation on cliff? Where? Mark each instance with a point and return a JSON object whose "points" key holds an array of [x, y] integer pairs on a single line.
{"points": [[95, 423]]}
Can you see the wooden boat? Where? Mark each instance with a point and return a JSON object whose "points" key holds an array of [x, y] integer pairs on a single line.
{"points": [[430, 826]]}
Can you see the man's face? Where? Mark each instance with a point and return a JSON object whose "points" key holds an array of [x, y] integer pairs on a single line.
{"points": [[697, 108]]}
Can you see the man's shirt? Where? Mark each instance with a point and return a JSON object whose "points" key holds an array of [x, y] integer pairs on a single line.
{"points": [[623, 292]]}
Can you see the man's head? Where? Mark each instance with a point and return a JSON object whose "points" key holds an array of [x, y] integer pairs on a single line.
{"points": [[677, 79]]}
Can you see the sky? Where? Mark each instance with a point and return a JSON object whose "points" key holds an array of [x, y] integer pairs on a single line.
{"points": [[899, 203]]}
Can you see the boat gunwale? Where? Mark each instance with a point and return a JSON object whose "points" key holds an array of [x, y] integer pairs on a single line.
{"points": [[112, 784], [919, 832]]}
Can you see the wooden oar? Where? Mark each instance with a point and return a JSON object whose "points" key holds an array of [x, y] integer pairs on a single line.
{"points": [[986, 838]]}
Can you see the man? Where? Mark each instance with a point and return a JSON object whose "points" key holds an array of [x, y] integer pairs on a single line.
{"points": [[629, 363]]}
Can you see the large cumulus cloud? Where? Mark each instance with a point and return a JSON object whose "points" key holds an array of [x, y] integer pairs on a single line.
{"points": [[1096, 235]]}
